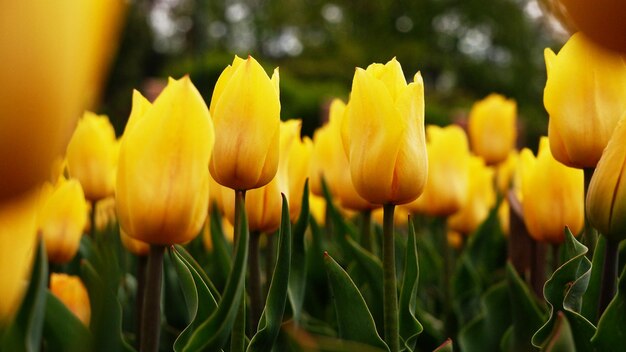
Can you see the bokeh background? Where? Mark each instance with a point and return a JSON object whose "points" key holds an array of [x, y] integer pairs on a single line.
{"points": [[465, 50]]}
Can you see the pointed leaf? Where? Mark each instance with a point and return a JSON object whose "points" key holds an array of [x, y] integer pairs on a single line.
{"points": [[611, 333], [445, 347], [298, 272], [354, 320], [63, 331], [191, 262], [410, 327]]}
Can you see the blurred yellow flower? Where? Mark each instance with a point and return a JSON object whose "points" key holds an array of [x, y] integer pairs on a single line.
{"points": [[492, 128], [455, 239], [162, 192], [606, 197], [62, 218], [585, 98], [245, 108], [18, 235], [136, 247], [70, 290], [299, 162], [383, 134], [480, 198], [318, 209], [552, 195], [400, 216], [504, 215], [92, 156], [448, 167], [505, 172]]}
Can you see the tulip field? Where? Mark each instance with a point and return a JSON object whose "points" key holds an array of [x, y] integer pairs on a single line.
{"points": [[219, 225]]}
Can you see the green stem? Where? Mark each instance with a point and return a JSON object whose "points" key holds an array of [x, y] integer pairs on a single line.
{"points": [[238, 335], [142, 263], [609, 275], [254, 277], [442, 234], [366, 230], [151, 316], [590, 235], [390, 298]]}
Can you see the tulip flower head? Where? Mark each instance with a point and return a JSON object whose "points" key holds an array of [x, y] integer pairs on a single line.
{"points": [[62, 218], [162, 179], [585, 98], [448, 168], [245, 108], [606, 197], [552, 195], [70, 290], [492, 128], [383, 135], [298, 165]]}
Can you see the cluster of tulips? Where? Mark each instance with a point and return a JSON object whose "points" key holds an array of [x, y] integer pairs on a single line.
{"points": [[183, 170]]}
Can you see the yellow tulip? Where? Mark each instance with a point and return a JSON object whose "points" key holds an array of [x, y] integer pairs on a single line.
{"points": [[62, 218], [480, 198], [329, 160], [92, 156], [552, 195], [246, 114], [50, 51], [162, 189], [606, 197], [318, 209], [136, 247], [585, 98], [18, 235], [264, 204], [492, 129], [505, 172], [299, 161], [70, 290], [383, 135], [448, 167]]}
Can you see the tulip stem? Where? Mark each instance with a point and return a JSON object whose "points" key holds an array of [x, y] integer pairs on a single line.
{"points": [[238, 334], [151, 315], [254, 277], [390, 294], [366, 230], [142, 263], [609, 275], [590, 236]]}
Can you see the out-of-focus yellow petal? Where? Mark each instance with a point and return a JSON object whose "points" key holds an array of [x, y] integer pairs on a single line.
{"points": [[70, 290], [492, 128]]}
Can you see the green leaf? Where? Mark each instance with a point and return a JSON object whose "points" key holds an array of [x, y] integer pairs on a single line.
{"points": [[561, 338], [410, 327], [24, 333], [525, 313], [63, 331], [591, 298], [191, 262], [563, 293], [272, 317], [298, 272], [354, 320], [445, 347], [199, 300], [213, 333], [485, 332], [611, 333]]}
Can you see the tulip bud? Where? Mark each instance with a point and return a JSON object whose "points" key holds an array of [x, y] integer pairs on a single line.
{"points": [[92, 156], [480, 198], [552, 195], [383, 135], [62, 218], [246, 114], [71, 291], [585, 98], [18, 235], [162, 178], [492, 129], [329, 160], [448, 167], [299, 162], [606, 197]]}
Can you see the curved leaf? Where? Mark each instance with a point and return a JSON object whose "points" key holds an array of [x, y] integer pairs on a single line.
{"points": [[272, 316], [564, 292], [410, 327], [298, 272], [191, 262], [354, 320], [561, 338], [611, 333], [62, 330]]}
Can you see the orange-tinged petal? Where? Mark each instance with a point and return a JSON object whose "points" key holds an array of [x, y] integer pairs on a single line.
{"points": [[70, 290]]}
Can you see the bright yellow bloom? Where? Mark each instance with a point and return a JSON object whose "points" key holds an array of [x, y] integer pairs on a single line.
{"points": [[62, 218], [50, 53], [606, 197], [552, 195], [92, 156], [299, 162], [480, 198], [71, 291], [329, 160], [492, 128], [448, 168], [18, 235], [383, 134], [585, 98], [162, 179], [246, 114]]}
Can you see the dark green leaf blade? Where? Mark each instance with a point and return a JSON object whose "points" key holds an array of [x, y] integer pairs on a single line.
{"points": [[63, 331], [298, 272], [611, 333], [410, 327]]}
